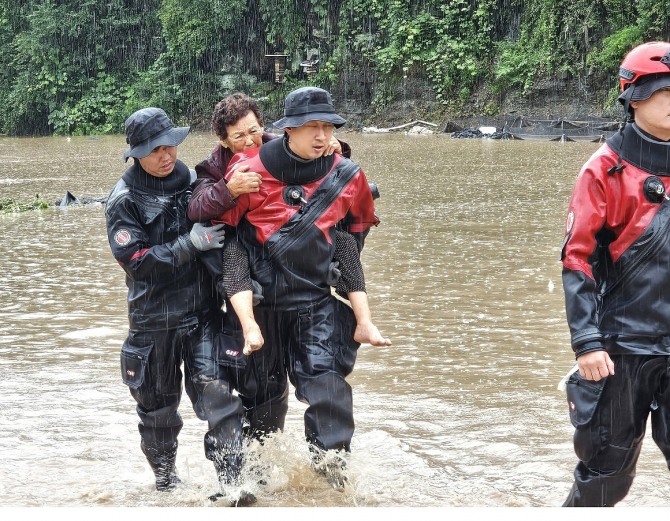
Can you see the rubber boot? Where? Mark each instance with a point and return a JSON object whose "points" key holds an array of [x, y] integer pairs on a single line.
{"points": [[229, 472], [332, 465], [229, 469], [164, 466], [267, 418]]}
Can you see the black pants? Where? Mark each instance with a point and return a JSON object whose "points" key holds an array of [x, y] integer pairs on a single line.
{"points": [[315, 347], [610, 419], [151, 367], [260, 379]]}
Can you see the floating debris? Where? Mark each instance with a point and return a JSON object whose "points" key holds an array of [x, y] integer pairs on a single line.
{"points": [[8, 205], [451, 127], [414, 127], [70, 200], [468, 133]]}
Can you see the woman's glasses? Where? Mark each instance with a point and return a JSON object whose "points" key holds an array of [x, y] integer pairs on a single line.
{"points": [[241, 136]]}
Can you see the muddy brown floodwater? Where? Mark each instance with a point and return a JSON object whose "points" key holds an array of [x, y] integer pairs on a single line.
{"points": [[463, 275]]}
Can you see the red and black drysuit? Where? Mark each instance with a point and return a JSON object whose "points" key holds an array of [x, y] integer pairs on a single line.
{"points": [[174, 315], [288, 229], [616, 273]]}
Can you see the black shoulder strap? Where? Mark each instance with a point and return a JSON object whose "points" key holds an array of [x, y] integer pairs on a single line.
{"points": [[317, 204]]}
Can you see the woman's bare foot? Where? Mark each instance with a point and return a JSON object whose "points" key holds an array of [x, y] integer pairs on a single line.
{"points": [[253, 339], [367, 333]]}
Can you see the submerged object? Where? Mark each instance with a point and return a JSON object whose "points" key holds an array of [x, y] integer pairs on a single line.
{"points": [[71, 200], [68, 199]]}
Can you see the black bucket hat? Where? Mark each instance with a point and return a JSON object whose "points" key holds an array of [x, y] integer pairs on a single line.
{"points": [[149, 128], [309, 104]]}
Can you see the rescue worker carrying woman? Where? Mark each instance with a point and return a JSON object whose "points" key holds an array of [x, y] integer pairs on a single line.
{"points": [[288, 229], [616, 274], [238, 124]]}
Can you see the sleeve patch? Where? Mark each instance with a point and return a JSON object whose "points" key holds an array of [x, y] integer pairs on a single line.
{"points": [[122, 237]]}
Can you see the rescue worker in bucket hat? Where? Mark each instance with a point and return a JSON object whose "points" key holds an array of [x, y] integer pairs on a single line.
{"points": [[616, 264], [238, 124], [288, 228], [173, 308]]}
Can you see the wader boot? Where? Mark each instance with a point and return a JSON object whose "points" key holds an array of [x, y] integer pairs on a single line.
{"points": [[164, 466], [229, 470], [332, 465], [266, 418]]}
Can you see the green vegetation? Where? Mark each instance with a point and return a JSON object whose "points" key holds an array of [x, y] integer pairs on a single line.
{"points": [[13, 206], [82, 66]]}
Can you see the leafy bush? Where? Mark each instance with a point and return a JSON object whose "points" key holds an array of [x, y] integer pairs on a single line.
{"points": [[99, 111], [515, 67], [604, 60]]}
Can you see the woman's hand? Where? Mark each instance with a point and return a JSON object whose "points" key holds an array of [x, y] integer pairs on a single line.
{"points": [[244, 182], [333, 146]]}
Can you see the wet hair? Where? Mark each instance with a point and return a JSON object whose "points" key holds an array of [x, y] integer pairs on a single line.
{"points": [[230, 110]]}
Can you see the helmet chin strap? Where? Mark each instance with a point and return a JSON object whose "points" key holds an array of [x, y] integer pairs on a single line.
{"points": [[625, 98]]}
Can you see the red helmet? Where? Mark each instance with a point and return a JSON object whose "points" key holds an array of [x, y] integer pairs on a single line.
{"points": [[643, 60]]}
